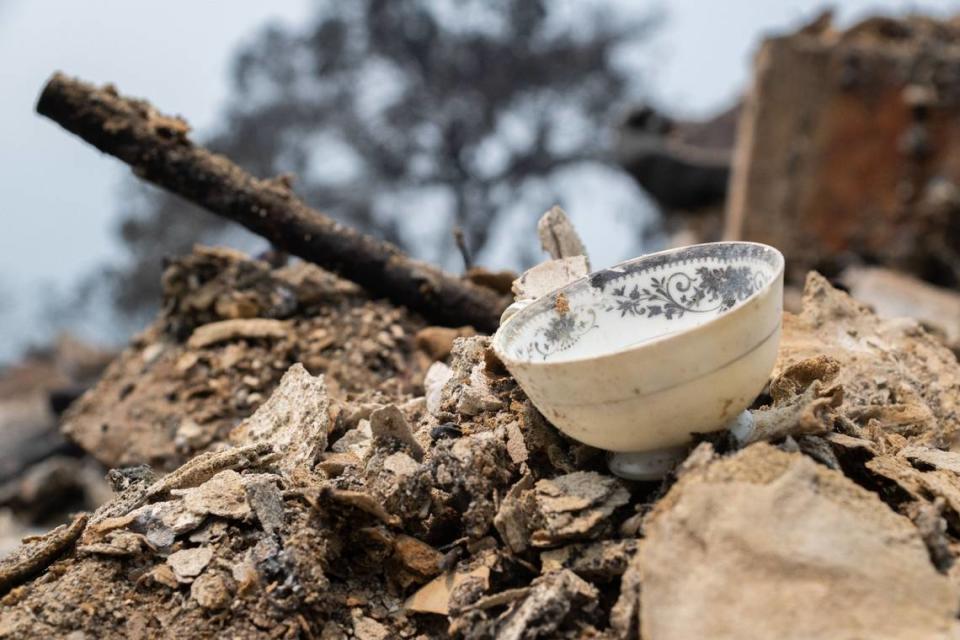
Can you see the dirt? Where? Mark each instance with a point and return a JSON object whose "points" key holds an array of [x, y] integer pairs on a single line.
{"points": [[346, 501], [229, 330]]}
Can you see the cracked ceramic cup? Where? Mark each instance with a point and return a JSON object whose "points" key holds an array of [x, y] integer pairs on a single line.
{"points": [[636, 358]]}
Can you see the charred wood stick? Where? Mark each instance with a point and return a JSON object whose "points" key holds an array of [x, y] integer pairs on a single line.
{"points": [[158, 150]]}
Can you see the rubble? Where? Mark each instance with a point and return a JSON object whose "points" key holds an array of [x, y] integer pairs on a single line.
{"points": [[546, 606], [575, 506], [247, 328], [188, 563], [767, 544], [467, 391], [36, 554], [389, 423], [898, 381], [381, 513], [294, 458], [599, 562], [893, 294], [437, 342], [222, 495], [160, 387], [295, 419], [210, 590]]}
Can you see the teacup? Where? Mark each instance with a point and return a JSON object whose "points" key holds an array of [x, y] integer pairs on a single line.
{"points": [[639, 357]]}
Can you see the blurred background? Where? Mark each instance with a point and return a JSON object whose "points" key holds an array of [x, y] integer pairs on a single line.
{"points": [[405, 118]]}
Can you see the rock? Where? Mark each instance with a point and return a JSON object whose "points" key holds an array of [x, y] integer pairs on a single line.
{"points": [[437, 342], [211, 591], [205, 466], [163, 574], [434, 597], [365, 628], [551, 599], [516, 445], [333, 463], [600, 561], [625, 613], [356, 441], [389, 423], [400, 465], [766, 544], [187, 564], [362, 501], [467, 392], [266, 501], [295, 419], [332, 631], [511, 520], [575, 506], [414, 561], [224, 330], [222, 495], [946, 460], [116, 543], [162, 522], [210, 532], [920, 486], [471, 470]]}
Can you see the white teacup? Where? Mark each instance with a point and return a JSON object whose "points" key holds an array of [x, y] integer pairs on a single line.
{"points": [[638, 357]]}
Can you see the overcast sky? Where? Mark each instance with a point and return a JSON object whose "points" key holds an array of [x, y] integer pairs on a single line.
{"points": [[59, 198]]}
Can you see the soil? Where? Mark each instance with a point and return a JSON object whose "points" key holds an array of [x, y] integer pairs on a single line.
{"points": [[323, 484]]}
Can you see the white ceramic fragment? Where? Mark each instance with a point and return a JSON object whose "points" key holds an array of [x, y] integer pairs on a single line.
{"points": [[549, 276], [437, 375]]}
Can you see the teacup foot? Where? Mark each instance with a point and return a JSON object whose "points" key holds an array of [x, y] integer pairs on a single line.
{"points": [[646, 465]]}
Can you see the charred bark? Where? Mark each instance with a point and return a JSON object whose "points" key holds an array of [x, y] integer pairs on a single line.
{"points": [[158, 150]]}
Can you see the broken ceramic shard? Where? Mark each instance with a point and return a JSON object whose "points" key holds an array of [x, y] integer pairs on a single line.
{"points": [[637, 358]]}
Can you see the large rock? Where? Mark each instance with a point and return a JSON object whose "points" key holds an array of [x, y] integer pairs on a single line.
{"points": [[767, 544]]}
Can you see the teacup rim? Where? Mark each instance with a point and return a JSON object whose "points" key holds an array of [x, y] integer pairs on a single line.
{"points": [[498, 347]]}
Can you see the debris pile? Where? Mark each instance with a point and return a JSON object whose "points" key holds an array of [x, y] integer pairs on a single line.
{"points": [[229, 329], [329, 478]]}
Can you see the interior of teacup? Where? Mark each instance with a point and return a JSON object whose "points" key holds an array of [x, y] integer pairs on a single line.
{"points": [[639, 300]]}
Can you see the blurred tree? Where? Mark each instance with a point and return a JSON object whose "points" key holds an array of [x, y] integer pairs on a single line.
{"points": [[407, 119]]}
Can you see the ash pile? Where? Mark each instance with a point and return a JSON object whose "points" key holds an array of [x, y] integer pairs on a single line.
{"points": [[293, 459]]}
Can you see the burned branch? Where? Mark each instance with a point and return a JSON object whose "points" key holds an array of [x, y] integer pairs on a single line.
{"points": [[158, 150]]}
